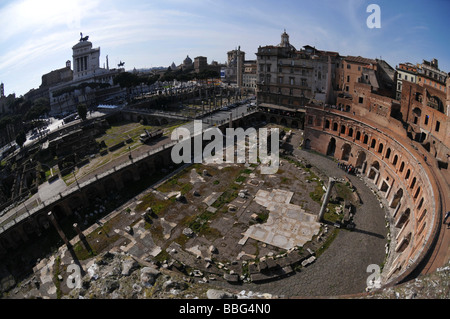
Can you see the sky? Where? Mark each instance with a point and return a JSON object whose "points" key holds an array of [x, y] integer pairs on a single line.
{"points": [[37, 36]]}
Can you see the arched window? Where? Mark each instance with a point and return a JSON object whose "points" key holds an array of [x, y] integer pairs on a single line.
{"points": [[380, 148], [350, 132], [420, 203], [408, 173], [417, 192], [374, 142], [388, 153], [366, 139], [395, 160], [413, 183], [402, 167], [335, 126]]}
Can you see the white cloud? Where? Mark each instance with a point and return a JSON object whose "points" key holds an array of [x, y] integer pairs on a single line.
{"points": [[37, 36], [37, 17]]}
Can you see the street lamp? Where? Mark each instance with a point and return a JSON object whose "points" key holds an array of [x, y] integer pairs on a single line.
{"points": [[73, 172], [130, 156]]}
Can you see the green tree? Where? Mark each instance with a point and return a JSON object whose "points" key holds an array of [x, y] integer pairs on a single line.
{"points": [[40, 107], [126, 80], [82, 111]]}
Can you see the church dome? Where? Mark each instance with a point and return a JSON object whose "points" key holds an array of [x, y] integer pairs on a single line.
{"points": [[187, 61]]}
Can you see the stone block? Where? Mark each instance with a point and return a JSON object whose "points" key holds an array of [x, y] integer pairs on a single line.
{"points": [[231, 278]]}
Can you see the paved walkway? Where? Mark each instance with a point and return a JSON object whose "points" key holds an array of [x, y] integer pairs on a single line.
{"points": [[342, 268]]}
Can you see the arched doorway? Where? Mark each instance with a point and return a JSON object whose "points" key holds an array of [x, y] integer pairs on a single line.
{"points": [[403, 218], [346, 150], [360, 159], [58, 212], [396, 199], [374, 170], [331, 147], [307, 144]]}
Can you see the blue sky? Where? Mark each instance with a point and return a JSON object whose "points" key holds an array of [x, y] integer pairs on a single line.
{"points": [[37, 35]]}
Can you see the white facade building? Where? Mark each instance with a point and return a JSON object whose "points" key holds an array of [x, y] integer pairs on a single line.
{"points": [[86, 69]]}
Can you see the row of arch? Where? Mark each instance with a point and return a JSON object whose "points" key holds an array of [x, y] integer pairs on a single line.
{"points": [[408, 199], [282, 120]]}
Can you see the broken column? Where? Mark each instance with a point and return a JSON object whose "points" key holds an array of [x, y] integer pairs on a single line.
{"points": [[82, 237], [326, 199], [58, 228]]}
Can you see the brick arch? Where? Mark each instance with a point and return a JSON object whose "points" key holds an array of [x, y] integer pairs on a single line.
{"points": [[59, 212], [75, 202], [360, 159], [350, 132], [110, 186], [331, 149], [399, 177], [263, 118], [143, 169], [29, 228], [43, 221], [126, 177], [346, 151], [397, 198], [93, 192]]}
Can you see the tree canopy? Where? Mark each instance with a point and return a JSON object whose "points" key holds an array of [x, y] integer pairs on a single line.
{"points": [[40, 107]]}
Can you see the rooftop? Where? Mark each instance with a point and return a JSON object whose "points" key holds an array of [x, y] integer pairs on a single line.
{"points": [[359, 59]]}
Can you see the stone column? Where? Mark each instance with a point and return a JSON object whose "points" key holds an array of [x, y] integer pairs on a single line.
{"points": [[363, 168], [82, 237], [326, 199], [79, 232], [58, 228]]}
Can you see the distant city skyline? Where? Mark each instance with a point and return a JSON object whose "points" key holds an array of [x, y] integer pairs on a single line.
{"points": [[37, 36]]}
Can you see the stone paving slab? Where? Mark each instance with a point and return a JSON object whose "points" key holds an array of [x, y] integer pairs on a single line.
{"points": [[211, 198], [288, 225]]}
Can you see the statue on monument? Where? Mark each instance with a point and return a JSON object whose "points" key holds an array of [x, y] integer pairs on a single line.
{"points": [[83, 39]]}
